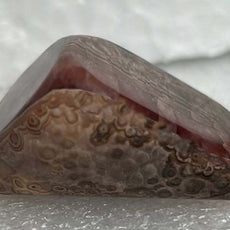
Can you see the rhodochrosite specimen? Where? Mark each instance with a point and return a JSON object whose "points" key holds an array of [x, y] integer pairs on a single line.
{"points": [[90, 118]]}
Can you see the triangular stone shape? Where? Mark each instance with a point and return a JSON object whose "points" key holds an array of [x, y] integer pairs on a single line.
{"points": [[90, 118]]}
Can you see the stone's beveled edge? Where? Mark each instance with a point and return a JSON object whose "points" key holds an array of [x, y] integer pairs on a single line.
{"points": [[27, 84], [129, 75]]}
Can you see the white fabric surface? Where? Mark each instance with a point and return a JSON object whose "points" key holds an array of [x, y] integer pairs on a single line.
{"points": [[78, 213], [159, 31]]}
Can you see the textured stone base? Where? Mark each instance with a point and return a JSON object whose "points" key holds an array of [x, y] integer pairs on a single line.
{"points": [[80, 143]]}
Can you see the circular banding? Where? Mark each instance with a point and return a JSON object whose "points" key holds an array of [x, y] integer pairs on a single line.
{"points": [[79, 147]]}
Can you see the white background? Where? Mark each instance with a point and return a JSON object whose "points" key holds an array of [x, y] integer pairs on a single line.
{"points": [[189, 38]]}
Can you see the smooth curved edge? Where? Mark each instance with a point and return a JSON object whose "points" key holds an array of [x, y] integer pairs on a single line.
{"points": [[131, 76], [24, 88]]}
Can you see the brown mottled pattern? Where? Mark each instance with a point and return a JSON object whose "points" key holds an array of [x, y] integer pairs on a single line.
{"points": [[80, 143]]}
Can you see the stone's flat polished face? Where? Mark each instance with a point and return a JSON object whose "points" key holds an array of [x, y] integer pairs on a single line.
{"points": [[81, 143], [99, 120]]}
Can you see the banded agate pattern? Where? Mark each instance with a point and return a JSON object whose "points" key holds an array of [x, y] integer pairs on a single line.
{"points": [[80, 135]]}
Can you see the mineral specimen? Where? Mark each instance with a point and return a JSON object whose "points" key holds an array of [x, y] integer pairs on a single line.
{"points": [[90, 118]]}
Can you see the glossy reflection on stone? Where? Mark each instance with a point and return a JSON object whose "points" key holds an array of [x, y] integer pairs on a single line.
{"points": [[78, 135]]}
